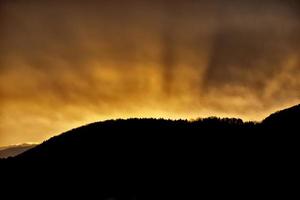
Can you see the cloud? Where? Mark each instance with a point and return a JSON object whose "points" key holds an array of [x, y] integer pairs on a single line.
{"points": [[67, 63]]}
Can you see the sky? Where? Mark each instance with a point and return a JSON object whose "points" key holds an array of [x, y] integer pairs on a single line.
{"points": [[67, 63]]}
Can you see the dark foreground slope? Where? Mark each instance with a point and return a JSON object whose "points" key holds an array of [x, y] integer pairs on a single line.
{"points": [[287, 119], [126, 159]]}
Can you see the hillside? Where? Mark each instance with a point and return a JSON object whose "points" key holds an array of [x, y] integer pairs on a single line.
{"points": [[107, 137], [89, 139], [117, 158], [287, 118]]}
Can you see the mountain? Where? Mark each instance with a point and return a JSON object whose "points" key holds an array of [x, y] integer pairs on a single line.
{"points": [[120, 159], [14, 150], [115, 159], [113, 140], [101, 137]]}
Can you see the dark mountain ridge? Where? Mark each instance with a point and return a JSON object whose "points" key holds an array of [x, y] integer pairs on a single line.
{"points": [[100, 137], [117, 158]]}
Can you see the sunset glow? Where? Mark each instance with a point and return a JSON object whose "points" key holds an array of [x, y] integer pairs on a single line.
{"points": [[67, 63]]}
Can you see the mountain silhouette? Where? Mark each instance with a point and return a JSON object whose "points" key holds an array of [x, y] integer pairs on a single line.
{"points": [[13, 150], [125, 156], [101, 137], [98, 138]]}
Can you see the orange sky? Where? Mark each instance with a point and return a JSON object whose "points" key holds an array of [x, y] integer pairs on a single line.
{"points": [[67, 63]]}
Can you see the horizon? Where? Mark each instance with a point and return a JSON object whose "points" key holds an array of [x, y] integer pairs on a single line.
{"points": [[29, 143], [65, 63]]}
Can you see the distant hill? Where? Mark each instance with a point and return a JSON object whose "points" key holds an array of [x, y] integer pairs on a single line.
{"points": [[123, 156], [11, 151]]}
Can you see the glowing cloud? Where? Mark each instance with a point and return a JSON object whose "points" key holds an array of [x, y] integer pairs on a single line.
{"points": [[66, 63]]}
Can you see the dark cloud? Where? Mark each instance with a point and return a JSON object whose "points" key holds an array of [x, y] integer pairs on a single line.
{"points": [[252, 44]]}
